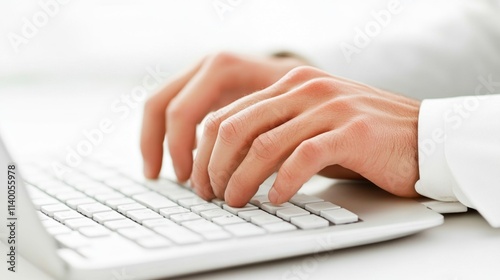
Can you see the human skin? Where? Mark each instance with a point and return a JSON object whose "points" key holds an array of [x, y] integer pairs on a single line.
{"points": [[277, 115]]}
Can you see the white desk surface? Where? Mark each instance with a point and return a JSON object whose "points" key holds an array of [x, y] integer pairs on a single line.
{"points": [[465, 247]]}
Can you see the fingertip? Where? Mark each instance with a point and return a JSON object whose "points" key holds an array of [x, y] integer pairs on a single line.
{"points": [[274, 196], [235, 198], [182, 170], [149, 171]]}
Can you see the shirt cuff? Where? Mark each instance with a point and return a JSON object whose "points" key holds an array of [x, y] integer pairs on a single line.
{"points": [[436, 180]]}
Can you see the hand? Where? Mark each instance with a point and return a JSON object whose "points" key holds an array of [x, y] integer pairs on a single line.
{"points": [[212, 83], [308, 122]]}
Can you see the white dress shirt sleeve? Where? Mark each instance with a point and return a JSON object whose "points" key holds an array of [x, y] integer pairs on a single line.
{"points": [[459, 150]]}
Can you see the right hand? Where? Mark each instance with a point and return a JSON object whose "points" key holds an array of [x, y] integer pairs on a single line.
{"points": [[177, 109]]}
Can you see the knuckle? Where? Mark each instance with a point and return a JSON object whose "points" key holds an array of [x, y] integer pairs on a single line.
{"points": [[152, 105], [218, 179], [175, 111], [300, 73], [211, 126], [341, 105], [287, 175], [223, 59], [230, 130], [197, 174], [310, 151], [362, 128], [322, 86], [264, 147]]}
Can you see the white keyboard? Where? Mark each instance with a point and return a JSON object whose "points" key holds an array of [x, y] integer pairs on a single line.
{"points": [[98, 200]]}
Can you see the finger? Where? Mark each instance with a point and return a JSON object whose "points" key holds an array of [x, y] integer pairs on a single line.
{"points": [[235, 136], [200, 177], [268, 152], [310, 157], [153, 123], [200, 180], [239, 131], [188, 109]]}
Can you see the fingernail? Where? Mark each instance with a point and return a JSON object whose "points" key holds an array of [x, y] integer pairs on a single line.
{"points": [[273, 195]]}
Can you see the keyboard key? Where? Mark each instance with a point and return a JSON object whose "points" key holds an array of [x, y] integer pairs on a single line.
{"points": [[279, 227], [228, 220], [90, 209], [74, 178], [119, 224], [244, 229], [107, 216], [317, 207], [154, 200], [73, 203], [301, 199], [136, 232], [94, 231], [49, 210], [96, 191], [265, 219], [118, 182], [114, 203], [80, 222], [102, 198], [309, 222], [183, 217], [247, 215], [51, 184], [210, 214], [204, 207], [215, 235], [179, 234], [272, 208], [60, 229], [178, 194], [158, 223], [83, 186], [167, 212], [65, 215], [218, 202], [339, 216], [259, 199], [236, 210], [288, 213], [200, 226], [73, 240], [153, 242], [143, 214], [133, 190], [39, 202], [59, 191], [191, 201], [70, 195], [129, 207], [162, 185]]}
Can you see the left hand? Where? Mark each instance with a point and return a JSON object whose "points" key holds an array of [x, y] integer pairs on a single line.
{"points": [[308, 122]]}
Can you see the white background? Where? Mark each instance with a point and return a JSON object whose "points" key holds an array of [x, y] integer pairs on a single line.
{"points": [[91, 52]]}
